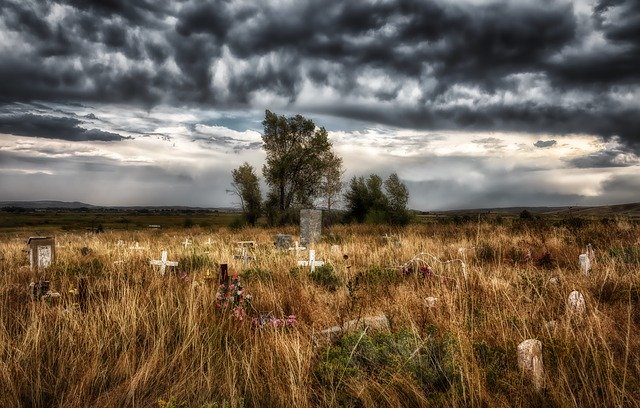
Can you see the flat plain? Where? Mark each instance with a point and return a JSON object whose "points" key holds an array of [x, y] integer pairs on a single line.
{"points": [[457, 296]]}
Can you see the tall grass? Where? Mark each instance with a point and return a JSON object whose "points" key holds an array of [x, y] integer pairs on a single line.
{"points": [[147, 340]]}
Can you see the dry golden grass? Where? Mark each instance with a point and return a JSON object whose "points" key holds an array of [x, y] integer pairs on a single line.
{"points": [[147, 340]]}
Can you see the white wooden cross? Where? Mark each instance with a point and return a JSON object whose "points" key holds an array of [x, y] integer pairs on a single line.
{"points": [[312, 263], [297, 247], [163, 263], [186, 242], [137, 247], [209, 242]]}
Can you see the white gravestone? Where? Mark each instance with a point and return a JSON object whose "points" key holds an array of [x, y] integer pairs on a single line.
{"points": [[41, 252], [530, 362], [585, 263], [311, 263], [163, 263], [577, 304]]}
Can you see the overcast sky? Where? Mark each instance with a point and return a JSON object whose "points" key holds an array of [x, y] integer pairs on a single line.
{"points": [[473, 103]]}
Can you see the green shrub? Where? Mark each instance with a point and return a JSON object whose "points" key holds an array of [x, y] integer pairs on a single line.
{"points": [[325, 276], [193, 262], [429, 362]]}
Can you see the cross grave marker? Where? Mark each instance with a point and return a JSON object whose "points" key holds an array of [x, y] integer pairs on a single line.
{"points": [[311, 263], [163, 263]]}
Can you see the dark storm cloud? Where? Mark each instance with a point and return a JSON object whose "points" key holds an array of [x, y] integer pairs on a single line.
{"points": [[52, 127], [221, 54], [606, 158], [545, 143]]}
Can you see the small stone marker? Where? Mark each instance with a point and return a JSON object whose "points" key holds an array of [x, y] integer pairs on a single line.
{"points": [[42, 251], [332, 334], [530, 362], [137, 247], [431, 301], [310, 226], [244, 247], [163, 263], [392, 240], [585, 264], [283, 241], [312, 263], [576, 303], [186, 242]]}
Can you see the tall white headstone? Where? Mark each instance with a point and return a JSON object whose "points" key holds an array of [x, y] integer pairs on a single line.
{"points": [[576, 303], [530, 362]]}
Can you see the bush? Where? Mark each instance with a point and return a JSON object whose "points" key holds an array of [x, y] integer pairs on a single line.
{"points": [[326, 277], [429, 362]]}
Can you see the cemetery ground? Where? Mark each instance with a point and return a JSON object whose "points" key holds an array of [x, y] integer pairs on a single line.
{"points": [[435, 314]]}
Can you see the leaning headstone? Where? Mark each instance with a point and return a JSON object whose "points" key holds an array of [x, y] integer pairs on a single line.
{"points": [[283, 241], [576, 304], [310, 226], [42, 252], [530, 362]]}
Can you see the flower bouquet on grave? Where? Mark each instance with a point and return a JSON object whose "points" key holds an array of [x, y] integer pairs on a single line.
{"points": [[231, 296], [268, 320]]}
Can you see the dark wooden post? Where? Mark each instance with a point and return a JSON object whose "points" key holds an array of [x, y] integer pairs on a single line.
{"points": [[224, 274], [83, 292]]}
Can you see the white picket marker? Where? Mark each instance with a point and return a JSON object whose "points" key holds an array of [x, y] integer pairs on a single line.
{"points": [[312, 263], [163, 263], [585, 263]]}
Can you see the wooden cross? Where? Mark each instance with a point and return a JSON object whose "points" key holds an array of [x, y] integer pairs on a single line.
{"points": [[312, 263], [209, 242], [186, 242], [163, 263], [297, 247]]}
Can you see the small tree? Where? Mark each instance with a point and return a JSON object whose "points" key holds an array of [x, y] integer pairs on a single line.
{"points": [[367, 202], [331, 182], [397, 199], [247, 187]]}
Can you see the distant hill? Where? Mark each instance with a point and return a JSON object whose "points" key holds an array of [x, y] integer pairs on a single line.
{"points": [[46, 204], [630, 210], [76, 205]]}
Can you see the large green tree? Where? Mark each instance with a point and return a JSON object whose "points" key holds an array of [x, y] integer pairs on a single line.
{"points": [[298, 155], [247, 187]]}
